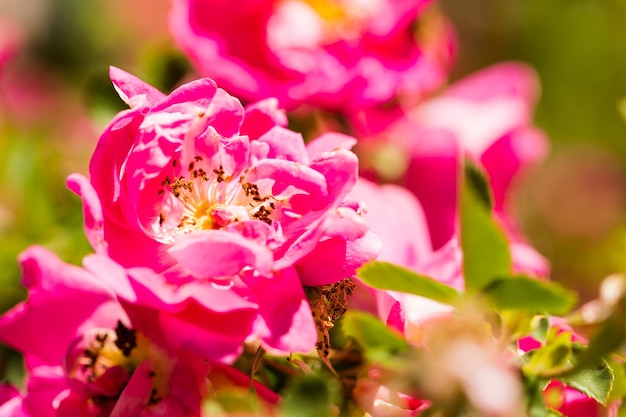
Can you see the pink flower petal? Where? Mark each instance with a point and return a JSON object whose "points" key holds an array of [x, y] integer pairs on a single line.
{"points": [[287, 322], [132, 90], [92, 211], [329, 142], [232, 253], [261, 117], [47, 314]]}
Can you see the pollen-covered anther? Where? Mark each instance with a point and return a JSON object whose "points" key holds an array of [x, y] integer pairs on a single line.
{"points": [[328, 303], [211, 199], [126, 339], [105, 349]]}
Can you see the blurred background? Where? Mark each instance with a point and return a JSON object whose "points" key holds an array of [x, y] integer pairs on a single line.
{"points": [[55, 99]]}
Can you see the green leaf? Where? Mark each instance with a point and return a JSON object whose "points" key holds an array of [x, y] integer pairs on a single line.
{"points": [[607, 339], [551, 359], [477, 180], [232, 401], [541, 325], [596, 382], [535, 403], [379, 343], [530, 295], [309, 396], [486, 253], [386, 276]]}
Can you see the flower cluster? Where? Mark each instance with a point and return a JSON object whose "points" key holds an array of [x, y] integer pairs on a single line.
{"points": [[238, 269]]}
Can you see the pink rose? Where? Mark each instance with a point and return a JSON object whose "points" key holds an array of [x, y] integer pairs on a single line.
{"points": [[195, 187], [487, 117], [337, 55], [83, 355]]}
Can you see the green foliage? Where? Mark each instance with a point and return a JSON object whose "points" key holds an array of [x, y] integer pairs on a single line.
{"points": [[386, 276], [608, 338], [476, 179], [379, 343], [309, 396], [595, 382], [555, 357], [530, 295], [232, 401], [485, 248], [535, 404]]}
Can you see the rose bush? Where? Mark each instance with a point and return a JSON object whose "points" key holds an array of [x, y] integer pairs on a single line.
{"points": [[209, 194]]}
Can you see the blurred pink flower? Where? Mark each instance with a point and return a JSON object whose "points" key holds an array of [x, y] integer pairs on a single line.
{"points": [[82, 354], [396, 216], [570, 402], [486, 116], [11, 40], [10, 401], [336, 55], [381, 401], [209, 193]]}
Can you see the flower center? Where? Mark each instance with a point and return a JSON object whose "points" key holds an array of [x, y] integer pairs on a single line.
{"points": [[209, 199], [343, 18], [105, 359]]}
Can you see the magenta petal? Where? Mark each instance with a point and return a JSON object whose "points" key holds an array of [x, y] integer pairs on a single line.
{"points": [[295, 180], [433, 176], [45, 384], [345, 223], [261, 117], [202, 98], [7, 392], [229, 253], [526, 260], [54, 323], [10, 402], [195, 94], [216, 337], [395, 319], [13, 408], [110, 272], [329, 142], [288, 324], [212, 327], [505, 159], [73, 405], [226, 113], [340, 168], [506, 79], [108, 159], [132, 90], [285, 144], [92, 211], [444, 265], [145, 251], [154, 291], [395, 215], [334, 259], [234, 154], [137, 392], [293, 251]]}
